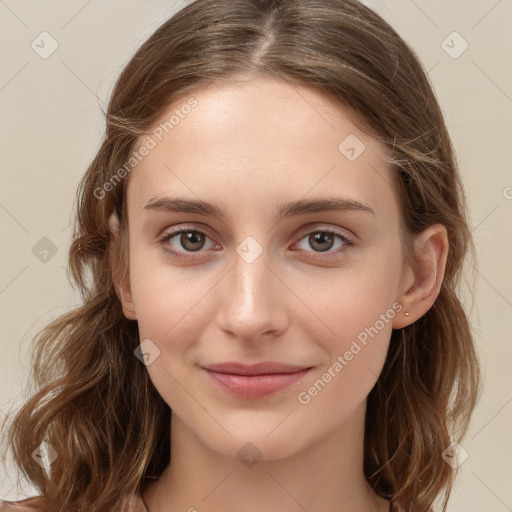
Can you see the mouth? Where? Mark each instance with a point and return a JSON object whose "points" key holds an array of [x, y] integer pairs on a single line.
{"points": [[254, 381]]}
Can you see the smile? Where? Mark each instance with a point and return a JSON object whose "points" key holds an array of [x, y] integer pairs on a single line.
{"points": [[254, 386]]}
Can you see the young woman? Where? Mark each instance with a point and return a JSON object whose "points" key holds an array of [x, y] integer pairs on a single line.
{"points": [[269, 244]]}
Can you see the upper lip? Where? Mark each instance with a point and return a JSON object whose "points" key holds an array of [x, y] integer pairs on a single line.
{"points": [[265, 368]]}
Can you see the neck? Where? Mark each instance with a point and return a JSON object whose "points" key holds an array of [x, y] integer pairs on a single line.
{"points": [[326, 475]]}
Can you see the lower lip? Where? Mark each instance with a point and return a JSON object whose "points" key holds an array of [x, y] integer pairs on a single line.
{"points": [[255, 386]]}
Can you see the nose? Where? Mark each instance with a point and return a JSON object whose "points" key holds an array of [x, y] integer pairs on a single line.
{"points": [[253, 301]]}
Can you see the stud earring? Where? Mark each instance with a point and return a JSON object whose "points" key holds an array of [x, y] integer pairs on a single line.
{"points": [[405, 313]]}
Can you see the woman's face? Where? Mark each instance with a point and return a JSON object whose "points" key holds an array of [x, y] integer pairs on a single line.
{"points": [[259, 275]]}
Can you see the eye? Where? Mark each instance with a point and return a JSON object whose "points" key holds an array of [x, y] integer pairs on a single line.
{"points": [[187, 240], [183, 242], [324, 240]]}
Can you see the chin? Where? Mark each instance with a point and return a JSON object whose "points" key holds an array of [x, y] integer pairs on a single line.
{"points": [[252, 446]]}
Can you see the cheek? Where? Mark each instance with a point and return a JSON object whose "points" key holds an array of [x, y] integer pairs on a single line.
{"points": [[355, 311], [168, 301], [357, 333], [161, 310], [356, 347], [355, 298], [168, 308]]}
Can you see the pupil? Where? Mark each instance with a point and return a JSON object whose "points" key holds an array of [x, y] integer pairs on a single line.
{"points": [[191, 237], [319, 238]]}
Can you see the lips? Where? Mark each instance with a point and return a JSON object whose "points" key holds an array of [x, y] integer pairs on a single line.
{"points": [[265, 368], [256, 380]]}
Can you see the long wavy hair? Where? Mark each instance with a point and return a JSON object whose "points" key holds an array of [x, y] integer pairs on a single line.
{"points": [[94, 402]]}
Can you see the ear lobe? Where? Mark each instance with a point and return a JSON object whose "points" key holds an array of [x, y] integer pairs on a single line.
{"points": [[119, 274], [431, 251]]}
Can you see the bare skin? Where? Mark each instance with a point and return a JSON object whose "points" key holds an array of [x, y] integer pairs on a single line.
{"points": [[248, 147]]}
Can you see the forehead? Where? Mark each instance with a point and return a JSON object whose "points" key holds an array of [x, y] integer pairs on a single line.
{"points": [[260, 140]]}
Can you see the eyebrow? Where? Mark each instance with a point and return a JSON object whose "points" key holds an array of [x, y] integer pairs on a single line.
{"points": [[290, 209]]}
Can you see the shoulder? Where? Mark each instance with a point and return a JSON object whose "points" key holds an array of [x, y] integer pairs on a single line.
{"points": [[395, 507], [131, 503], [26, 505]]}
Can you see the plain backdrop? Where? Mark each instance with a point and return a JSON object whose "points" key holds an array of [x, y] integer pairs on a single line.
{"points": [[51, 125]]}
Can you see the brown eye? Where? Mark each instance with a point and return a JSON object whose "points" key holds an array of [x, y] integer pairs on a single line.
{"points": [[192, 240], [321, 240], [325, 241], [185, 242]]}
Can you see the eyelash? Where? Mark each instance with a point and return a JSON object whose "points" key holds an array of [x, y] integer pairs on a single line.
{"points": [[348, 242]]}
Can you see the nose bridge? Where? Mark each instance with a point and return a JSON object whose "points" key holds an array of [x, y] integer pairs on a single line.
{"points": [[252, 301]]}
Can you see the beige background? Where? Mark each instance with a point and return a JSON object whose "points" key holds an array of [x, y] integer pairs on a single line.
{"points": [[51, 125]]}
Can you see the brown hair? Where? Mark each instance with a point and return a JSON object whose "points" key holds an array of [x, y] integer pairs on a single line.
{"points": [[95, 403]]}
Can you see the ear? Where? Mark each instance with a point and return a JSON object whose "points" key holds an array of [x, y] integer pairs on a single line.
{"points": [[119, 271], [424, 278]]}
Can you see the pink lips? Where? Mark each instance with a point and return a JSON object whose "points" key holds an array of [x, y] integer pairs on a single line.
{"points": [[254, 381]]}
